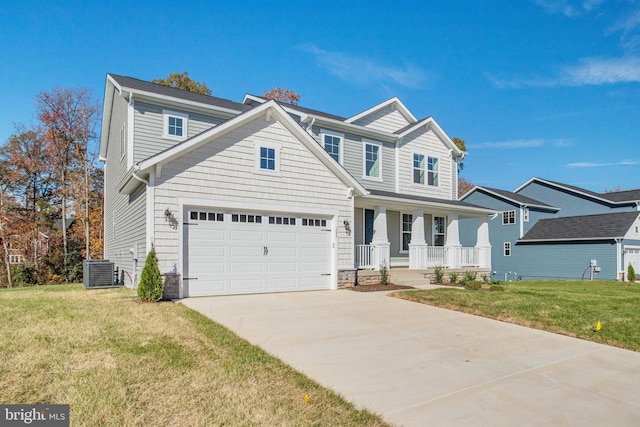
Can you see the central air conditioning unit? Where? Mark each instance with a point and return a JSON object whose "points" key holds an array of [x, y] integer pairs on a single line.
{"points": [[98, 273]]}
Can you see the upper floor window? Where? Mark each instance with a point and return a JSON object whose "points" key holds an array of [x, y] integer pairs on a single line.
{"points": [[433, 171], [507, 248], [525, 215], [267, 157], [418, 168], [372, 160], [508, 217], [175, 124], [333, 145]]}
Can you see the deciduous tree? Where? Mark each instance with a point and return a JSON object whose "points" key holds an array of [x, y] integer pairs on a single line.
{"points": [[283, 95], [183, 81], [464, 186]]}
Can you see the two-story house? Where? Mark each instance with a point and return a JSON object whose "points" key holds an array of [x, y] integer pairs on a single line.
{"points": [[550, 230], [261, 196]]}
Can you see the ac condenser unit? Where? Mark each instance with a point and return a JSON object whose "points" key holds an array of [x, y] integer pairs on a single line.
{"points": [[98, 273]]}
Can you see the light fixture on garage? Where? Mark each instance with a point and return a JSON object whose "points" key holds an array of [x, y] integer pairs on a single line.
{"points": [[347, 227], [168, 215]]}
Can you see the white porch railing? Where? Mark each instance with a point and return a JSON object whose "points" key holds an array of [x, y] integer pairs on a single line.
{"points": [[364, 256], [421, 257]]}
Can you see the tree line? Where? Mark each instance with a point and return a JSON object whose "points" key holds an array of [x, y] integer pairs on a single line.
{"points": [[51, 192]]}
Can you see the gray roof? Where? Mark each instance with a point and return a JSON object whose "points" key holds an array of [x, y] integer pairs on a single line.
{"points": [[425, 199], [410, 125], [623, 196], [517, 198], [584, 227], [306, 110], [142, 85]]}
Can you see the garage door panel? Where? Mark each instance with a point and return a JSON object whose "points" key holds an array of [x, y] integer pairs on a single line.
{"points": [[234, 257]]}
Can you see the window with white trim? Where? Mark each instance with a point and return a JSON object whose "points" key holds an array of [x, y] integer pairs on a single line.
{"points": [[267, 157], [407, 222], [508, 217], [333, 145], [418, 168], [175, 125], [438, 230], [525, 215], [432, 177], [15, 259], [372, 160], [507, 248]]}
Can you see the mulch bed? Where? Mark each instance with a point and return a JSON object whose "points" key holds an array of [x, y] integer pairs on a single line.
{"points": [[374, 288]]}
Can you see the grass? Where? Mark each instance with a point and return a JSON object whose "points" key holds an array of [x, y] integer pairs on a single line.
{"points": [[566, 307], [120, 362]]}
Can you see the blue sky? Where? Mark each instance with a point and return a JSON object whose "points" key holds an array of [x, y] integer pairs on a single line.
{"points": [[546, 88]]}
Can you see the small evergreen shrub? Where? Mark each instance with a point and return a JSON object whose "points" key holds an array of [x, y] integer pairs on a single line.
{"points": [[631, 274], [494, 288], [151, 287], [453, 277], [384, 274], [473, 285], [439, 273]]}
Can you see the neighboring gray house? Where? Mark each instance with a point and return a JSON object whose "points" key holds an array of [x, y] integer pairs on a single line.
{"points": [[548, 230], [262, 196]]}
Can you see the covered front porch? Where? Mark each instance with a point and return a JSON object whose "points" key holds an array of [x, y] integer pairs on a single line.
{"points": [[418, 233]]}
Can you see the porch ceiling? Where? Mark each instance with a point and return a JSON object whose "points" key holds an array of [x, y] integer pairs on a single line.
{"points": [[405, 202]]}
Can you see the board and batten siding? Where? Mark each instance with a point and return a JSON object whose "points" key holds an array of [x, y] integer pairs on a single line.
{"points": [[124, 216], [353, 161], [387, 119], [426, 142], [224, 171], [149, 127]]}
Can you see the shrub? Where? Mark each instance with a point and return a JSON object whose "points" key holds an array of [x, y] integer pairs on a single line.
{"points": [[453, 277], [150, 288], [384, 274], [439, 273], [473, 285], [469, 276], [496, 282], [496, 288], [485, 278], [631, 274]]}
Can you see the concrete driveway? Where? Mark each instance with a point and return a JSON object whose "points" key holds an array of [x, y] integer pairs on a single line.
{"points": [[417, 365]]}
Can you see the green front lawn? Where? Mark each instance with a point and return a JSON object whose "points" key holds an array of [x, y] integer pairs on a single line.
{"points": [[567, 307], [119, 362]]}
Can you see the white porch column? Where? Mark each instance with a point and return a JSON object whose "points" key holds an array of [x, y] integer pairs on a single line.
{"points": [[483, 245], [380, 241], [452, 244], [418, 245]]}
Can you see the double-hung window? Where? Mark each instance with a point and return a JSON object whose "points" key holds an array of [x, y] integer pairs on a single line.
{"points": [[418, 168], [407, 221], [508, 217], [175, 125], [372, 160], [507, 248], [432, 177], [438, 231], [333, 145]]}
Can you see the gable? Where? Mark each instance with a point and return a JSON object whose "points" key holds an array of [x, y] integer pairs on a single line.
{"points": [[388, 116]]}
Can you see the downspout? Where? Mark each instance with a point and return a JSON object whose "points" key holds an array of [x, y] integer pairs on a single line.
{"points": [[619, 266]]}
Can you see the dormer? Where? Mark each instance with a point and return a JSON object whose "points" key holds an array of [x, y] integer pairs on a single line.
{"points": [[388, 116]]}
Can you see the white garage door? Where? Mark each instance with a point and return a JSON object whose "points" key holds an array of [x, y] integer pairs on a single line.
{"points": [[632, 256], [229, 252]]}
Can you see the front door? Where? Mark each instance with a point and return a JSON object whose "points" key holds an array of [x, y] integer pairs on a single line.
{"points": [[369, 215]]}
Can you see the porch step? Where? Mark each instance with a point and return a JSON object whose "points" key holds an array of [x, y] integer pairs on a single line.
{"points": [[404, 276]]}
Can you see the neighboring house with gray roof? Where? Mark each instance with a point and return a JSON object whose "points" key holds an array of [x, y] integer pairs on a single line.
{"points": [[548, 230], [263, 196]]}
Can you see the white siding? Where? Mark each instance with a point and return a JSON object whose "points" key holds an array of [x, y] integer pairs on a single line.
{"points": [[224, 171], [387, 119], [427, 143], [124, 216], [149, 124], [634, 231]]}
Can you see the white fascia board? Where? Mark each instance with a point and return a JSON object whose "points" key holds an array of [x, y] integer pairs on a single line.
{"points": [[572, 190], [395, 100], [568, 239], [109, 92], [338, 125], [508, 199], [208, 107], [276, 112], [468, 193], [437, 205], [247, 98], [433, 125]]}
